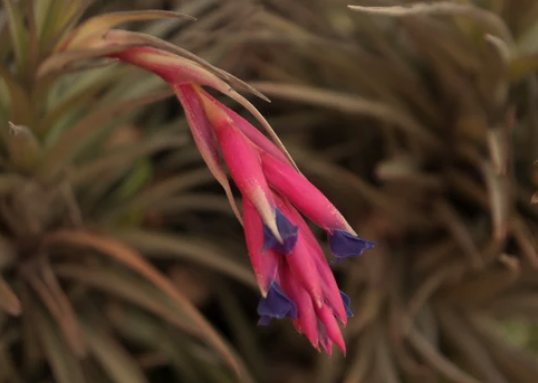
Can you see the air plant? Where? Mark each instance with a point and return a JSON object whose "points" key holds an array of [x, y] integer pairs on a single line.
{"points": [[280, 244], [61, 239]]}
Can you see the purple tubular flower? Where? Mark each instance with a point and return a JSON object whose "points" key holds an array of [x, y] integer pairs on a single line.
{"points": [[287, 231], [275, 305], [344, 245]]}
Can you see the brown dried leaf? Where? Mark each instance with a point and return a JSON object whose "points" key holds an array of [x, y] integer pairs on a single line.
{"points": [[437, 361], [499, 199], [486, 18], [99, 25], [470, 348]]}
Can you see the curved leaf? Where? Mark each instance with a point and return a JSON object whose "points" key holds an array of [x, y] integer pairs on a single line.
{"points": [[196, 250], [18, 32], [114, 359], [352, 104], [133, 260], [65, 366], [60, 309], [133, 290], [65, 148], [485, 17], [8, 300], [102, 23]]}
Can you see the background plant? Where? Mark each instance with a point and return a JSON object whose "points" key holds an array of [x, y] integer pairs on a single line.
{"points": [[404, 122], [423, 127]]}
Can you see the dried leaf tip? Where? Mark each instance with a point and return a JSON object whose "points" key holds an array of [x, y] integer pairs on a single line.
{"points": [[17, 130]]}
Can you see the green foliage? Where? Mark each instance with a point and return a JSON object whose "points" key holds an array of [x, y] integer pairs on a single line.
{"points": [[82, 195]]}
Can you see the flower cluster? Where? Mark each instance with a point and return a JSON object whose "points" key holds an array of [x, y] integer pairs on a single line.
{"points": [[294, 277]]}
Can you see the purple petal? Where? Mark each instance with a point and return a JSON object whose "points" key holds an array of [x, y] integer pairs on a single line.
{"points": [[287, 231], [347, 302], [275, 305], [344, 244]]}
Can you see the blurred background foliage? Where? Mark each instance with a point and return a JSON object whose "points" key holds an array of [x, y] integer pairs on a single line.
{"points": [[421, 126]]}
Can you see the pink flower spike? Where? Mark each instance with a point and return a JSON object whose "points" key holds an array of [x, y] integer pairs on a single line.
{"points": [[303, 266], [333, 331], [301, 261], [204, 138], [333, 296], [324, 340], [243, 161], [307, 322], [253, 134], [343, 240], [302, 194], [265, 265]]}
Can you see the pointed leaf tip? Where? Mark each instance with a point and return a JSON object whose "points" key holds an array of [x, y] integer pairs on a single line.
{"points": [[102, 23]]}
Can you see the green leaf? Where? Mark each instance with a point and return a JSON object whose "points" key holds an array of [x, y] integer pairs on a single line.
{"points": [[19, 100], [57, 63], [204, 251], [114, 359], [24, 148], [351, 104], [65, 367], [152, 196], [74, 102], [41, 12], [57, 304], [130, 258], [129, 287], [116, 160], [56, 17], [138, 177], [71, 141], [523, 66], [144, 329], [18, 33], [195, 201]]}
